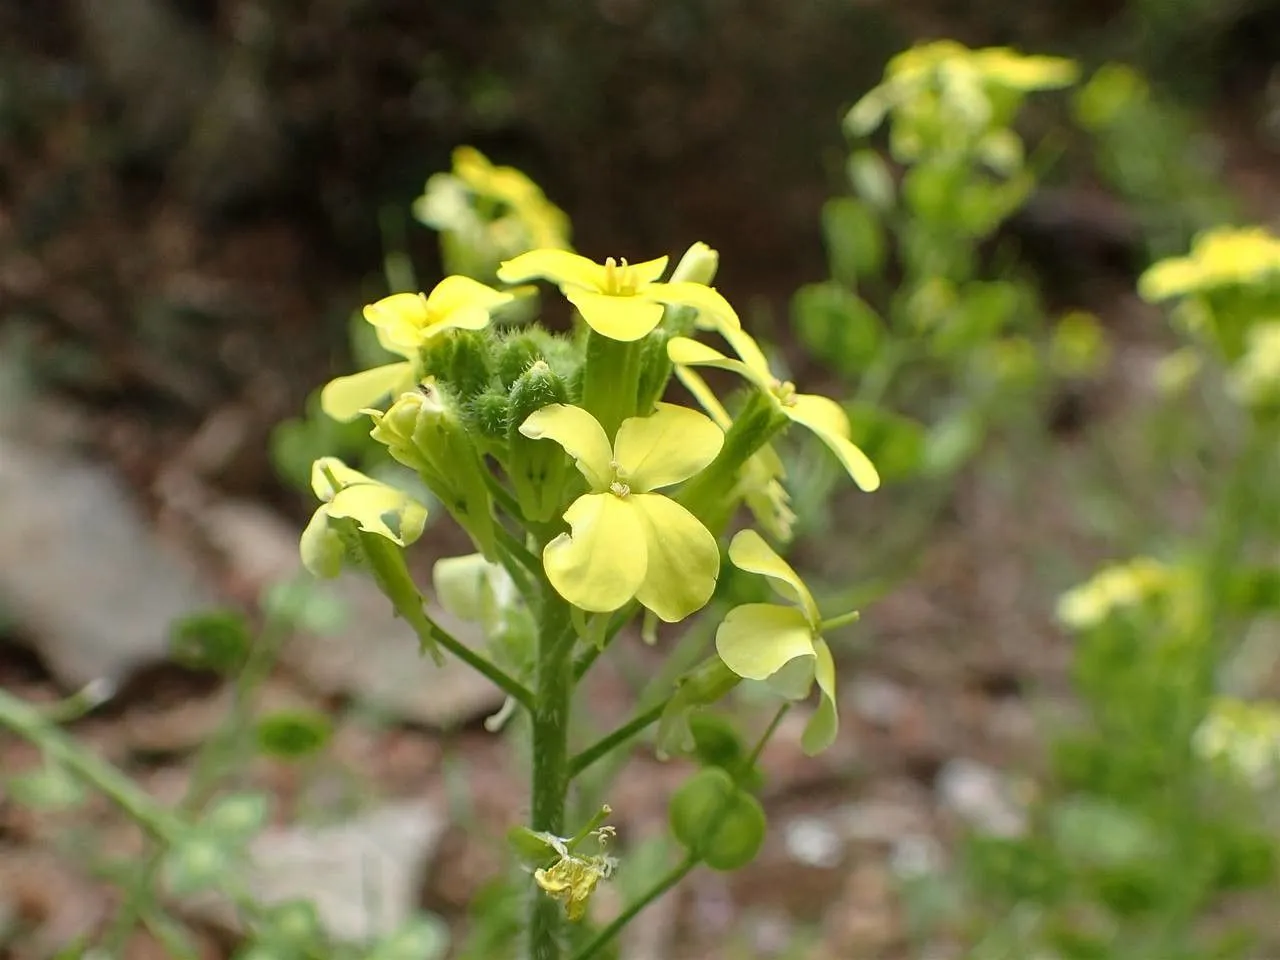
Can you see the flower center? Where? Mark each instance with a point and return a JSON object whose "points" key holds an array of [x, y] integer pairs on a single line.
{"points": [[620, 278], [785, 392], [619, 489]]}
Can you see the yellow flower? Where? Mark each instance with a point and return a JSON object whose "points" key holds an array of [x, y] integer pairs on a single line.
{"points": [[781, 644], [962, 74], [404, 322], [821, 415], [1222, 257], [626, 541], [348, 494], [1112, 588], [621, 301], [1244, 736]]}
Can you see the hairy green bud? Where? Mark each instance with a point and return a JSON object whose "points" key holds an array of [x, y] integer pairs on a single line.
{"points": [[538, 471], [461, 360]]}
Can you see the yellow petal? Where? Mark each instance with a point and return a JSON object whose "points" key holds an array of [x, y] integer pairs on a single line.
{"points": [[705, 397], [401, 318], [581, 436], [748, 551], [820, 732], [378, 508], [599, 565], [706, 300], [830, 424], [616, 317], [321, 548], [757, 639], [558, 266], [342, 477], [664, 448], [685, 352], [344, 397], [745, 346], [647, 271], [463, 303], [683, 558]]}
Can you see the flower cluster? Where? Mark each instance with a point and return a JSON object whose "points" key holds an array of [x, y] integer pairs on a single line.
{"points": [[560, 449], [944, 93]]}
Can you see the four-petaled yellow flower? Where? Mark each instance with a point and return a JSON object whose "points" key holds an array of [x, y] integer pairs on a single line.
{"points": [[822, 415], [626, 541], [622, 301], [779, 644], [348, 494], [404, 323]]}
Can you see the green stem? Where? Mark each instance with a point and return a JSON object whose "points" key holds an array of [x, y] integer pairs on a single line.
{"points": [[682, 869], [664, 883], [393, 578], [843, 620], [550, 735], [606, 744], [588, 657], [29, 723], [611, 380], [706, 495]]}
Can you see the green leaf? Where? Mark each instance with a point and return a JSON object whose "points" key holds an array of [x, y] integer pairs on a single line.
{"points": [[871, 180], [293, 927], [717, 820], [951, 442], [855, 240], [50, 788], [837, 326], [293, 734], [236, 817], [215, 640], [1094, 831], [197, 862]]}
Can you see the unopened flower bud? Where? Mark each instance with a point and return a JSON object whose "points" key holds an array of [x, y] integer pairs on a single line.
{"points": [[698, 265], [538, 471]]}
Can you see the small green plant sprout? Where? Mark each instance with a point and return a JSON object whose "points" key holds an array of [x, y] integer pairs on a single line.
{"points": [[590, 500]]}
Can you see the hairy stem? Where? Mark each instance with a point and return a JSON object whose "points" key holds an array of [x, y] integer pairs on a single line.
{"points": [[551, 774], [29, 723]]}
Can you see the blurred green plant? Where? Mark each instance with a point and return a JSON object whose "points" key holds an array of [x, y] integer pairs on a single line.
{"points": [[198, 846], [1156, 808]]}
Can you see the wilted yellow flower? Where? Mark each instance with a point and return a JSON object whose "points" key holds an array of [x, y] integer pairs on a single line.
{"points": [[1222, 257]]}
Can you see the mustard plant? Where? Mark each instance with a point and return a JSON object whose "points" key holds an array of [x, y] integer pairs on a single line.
{"points": [[592, 500]]}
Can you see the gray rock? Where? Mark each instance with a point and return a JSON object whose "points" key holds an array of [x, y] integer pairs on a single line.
{"points": [[363, 875], [981, 797], [374, 657], [81, 572]]}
